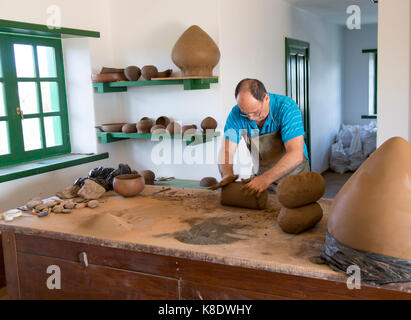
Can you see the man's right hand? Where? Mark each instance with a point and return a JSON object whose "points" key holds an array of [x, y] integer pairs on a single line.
{"points": [[225, 181]]}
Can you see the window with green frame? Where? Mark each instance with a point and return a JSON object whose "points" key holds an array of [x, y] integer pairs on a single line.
{"points": [[33, 105]]}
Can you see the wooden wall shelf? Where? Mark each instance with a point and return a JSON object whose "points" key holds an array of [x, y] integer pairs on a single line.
{"points": [[189, 83], [190, 139]]}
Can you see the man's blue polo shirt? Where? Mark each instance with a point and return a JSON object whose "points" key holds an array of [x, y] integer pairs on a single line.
{"points": [[286, 115]]}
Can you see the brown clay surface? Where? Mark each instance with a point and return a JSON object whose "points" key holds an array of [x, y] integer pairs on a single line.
{"points": [[372, 211], [301, 189], [232, 195], [168, 221], [300, 219]]}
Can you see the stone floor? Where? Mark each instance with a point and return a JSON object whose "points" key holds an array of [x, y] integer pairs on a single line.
{"points": [[334, 182]]}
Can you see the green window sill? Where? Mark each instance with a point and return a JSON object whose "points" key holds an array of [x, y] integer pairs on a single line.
{"points": [[372, 116], [47, 165]]}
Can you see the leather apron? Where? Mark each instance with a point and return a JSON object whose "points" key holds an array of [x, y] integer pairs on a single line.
{"points": [[266, 150]]}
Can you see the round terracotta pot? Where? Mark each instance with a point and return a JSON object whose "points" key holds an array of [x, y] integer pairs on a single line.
{"points": [[158, 129], [129, 128], [196, 53], [128, 185], [149, 72], [189, 129], [208, 182], [148, 176], [164, 121], [144, 125], [132, 73], [208, 124], [174, 128]]}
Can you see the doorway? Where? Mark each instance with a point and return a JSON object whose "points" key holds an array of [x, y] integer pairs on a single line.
{"points": [[297, 55]]}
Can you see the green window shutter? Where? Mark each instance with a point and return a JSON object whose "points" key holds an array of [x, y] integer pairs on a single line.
{"points": [[35, 117]]}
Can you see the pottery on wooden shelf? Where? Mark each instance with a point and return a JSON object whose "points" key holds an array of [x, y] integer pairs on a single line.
{"points": [[174, 128], [109, 77], [189, 129], [144, 125], [149, 72], [148, 176], [196, 53], [111, 70], [132, 73], [209, 124], [208, 182], [111, 127], [165, 74], [128, 185], [129, 128], [164, 121], [158, 129]]}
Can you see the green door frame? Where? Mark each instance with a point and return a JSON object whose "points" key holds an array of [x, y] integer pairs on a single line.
{"points": [[296, 47]]}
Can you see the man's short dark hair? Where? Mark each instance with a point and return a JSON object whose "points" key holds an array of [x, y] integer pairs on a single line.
{"points": [[254, 86]]}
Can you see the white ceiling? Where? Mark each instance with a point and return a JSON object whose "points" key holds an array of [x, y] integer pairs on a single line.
{"points": [[336, 10]]}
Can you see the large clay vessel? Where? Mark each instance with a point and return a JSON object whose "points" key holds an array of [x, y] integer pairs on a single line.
{"points": [[372, 212], [196, 53]]}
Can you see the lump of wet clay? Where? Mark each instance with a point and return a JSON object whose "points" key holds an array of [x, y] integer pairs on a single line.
{"points": [[300, 189], [232, 195], [91, 190], [372, 211], [208, 182], [68, 193], [297, 220]]}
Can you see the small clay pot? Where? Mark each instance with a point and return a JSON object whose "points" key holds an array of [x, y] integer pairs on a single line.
{"points": [[189, 129], [148, 176], [174, 128], [128, 185], [111, 70], [164, 121], [165, 74], [111, 127], [149, 72], [158, 129], [109, 77], [129, 128], [144, 125], [208, 124], [208, 182], [132, 73]]}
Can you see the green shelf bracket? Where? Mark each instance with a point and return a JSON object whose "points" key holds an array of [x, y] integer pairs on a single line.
{"points": [[190, 140], [188, 84]]}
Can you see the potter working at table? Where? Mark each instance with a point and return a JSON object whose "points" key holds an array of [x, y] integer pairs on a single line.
{"points": [[273, 130]]}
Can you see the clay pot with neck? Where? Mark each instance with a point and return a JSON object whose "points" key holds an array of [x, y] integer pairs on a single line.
{"points": [[144, 125], [128, 185], [209, 124], [196, 53], [149, 177], [164, 121], [174, 128], [132, 73]]}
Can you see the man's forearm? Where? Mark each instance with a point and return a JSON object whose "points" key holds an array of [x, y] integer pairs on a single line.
{"points": [[226, 170], [284, 166]]}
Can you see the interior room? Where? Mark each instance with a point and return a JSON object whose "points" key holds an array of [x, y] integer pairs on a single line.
{"points": [[133, 156]]}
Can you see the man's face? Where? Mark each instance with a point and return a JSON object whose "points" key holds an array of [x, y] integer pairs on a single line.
{"points": [[252, 108]]}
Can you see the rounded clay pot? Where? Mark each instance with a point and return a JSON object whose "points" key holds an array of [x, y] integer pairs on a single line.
{"points": [[132, 73], [209, 124], [158, 129], [174, 128], [111, 127], [109, 77], [189, 129], [208, 182], [149, 72], [148, 176], [144, 125], [164, 121], [129, 128], [128, 185], [195, 53]]}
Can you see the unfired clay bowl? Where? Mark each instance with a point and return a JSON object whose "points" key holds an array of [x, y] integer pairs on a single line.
{"points": [[111, 127], [109, 77], [128, 185]]}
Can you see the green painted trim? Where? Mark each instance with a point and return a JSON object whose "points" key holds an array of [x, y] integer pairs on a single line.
{"points": [[33, 29], [369, 116], [121, 86], [191, 140], [369, 51], [47, 165]]}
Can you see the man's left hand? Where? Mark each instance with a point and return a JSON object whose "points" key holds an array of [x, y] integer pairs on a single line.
{"points": [[256, 186]]}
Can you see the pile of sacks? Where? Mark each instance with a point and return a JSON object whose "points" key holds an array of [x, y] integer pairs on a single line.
{"points": [[298, 194], [354, 144]]}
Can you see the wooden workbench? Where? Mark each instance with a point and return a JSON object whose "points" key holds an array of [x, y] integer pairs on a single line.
{"points": [[173, 243]]}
